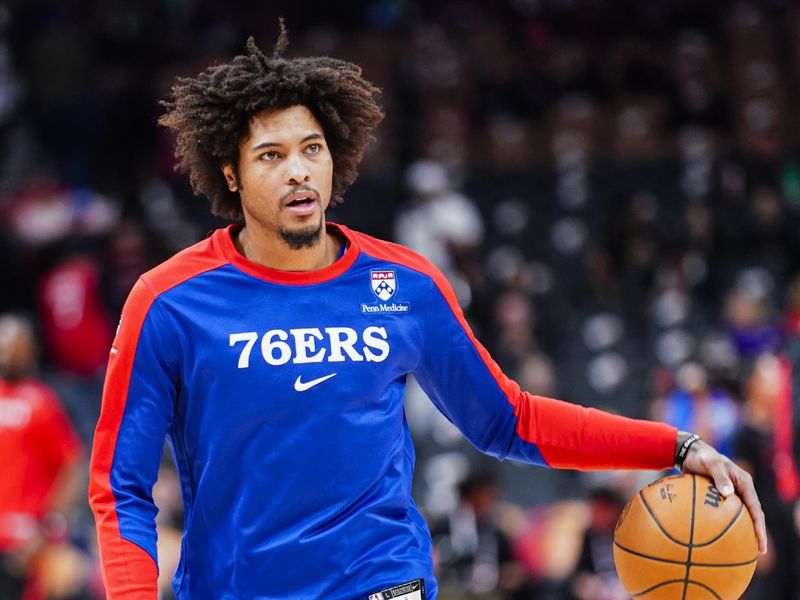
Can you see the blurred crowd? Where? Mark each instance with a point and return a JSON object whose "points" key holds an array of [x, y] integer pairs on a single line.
{"points": [[612, 187]]}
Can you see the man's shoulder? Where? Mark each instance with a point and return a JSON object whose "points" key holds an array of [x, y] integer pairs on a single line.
{"points": [[397, 254], [206, 255], [394, 253]]}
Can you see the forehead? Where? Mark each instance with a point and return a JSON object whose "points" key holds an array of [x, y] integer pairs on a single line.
{"points": [[282, 125]]}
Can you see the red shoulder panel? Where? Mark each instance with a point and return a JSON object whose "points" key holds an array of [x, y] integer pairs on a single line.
{"points": [[392, 252], [194, 260]]}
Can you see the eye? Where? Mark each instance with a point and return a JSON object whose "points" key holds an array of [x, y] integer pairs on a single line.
{"points": [[271, 155], [313, 148]]}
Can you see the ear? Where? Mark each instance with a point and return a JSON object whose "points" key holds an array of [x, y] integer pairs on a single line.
{"points": [[230, 177]]}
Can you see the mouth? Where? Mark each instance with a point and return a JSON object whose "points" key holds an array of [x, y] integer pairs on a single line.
{"points": [[302, 202]]}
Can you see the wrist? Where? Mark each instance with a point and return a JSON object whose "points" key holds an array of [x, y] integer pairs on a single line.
{"points": [[683, 442]]}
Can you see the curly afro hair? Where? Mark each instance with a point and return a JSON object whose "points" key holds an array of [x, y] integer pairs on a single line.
{"points": [[211, 115]]}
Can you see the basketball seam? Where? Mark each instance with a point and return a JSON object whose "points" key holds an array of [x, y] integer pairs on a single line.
{"points": [[657, 522], [684, 544], [681, 562], [658, 585], [724, 531], [709, 589], [691, 538]]}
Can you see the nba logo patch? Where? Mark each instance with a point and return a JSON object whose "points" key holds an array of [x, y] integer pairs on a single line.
{"points": [[383, 282]]}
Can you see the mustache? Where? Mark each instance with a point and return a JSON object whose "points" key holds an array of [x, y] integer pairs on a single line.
{"points": [[299, 188]]}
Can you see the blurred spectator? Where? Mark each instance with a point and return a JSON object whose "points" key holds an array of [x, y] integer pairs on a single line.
{"points": [[73, 315], [77, 331], [696, 405], [547, 545], [45, 210], [42, 469], [441, 224], [514, 322], [536, 374], [126, 257], [595, 577], [791, 323], [747, 312], [754, 448], [472, 553]]}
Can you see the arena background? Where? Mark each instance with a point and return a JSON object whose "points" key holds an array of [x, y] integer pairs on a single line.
{"points": [[612, 186]]}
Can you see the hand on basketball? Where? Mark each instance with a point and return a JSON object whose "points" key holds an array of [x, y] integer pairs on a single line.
{"points": [[703, 459]]}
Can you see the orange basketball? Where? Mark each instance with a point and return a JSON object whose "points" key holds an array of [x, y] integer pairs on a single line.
{"points": [[679, 538]]}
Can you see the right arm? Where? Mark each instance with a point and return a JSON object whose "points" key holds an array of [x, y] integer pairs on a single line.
{"points": [[138, 400]]}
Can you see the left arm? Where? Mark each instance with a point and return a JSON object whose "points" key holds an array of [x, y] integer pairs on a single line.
{"points": [[469, 388], [500, 419]]}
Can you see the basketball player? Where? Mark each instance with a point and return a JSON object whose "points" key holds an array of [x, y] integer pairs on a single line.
{"points": [[273, 357]]}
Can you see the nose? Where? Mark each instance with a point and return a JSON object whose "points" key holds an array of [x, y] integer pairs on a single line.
{"points": [[296, 171]]}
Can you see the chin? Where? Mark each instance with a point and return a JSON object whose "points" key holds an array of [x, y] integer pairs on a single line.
{"points": [[302, 237]]}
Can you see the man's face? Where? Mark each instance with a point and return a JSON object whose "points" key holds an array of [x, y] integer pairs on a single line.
{"points": [[17, 347], [285, 175]]}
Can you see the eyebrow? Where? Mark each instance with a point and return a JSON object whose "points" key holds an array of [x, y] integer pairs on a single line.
{"points": [[309, 137]]}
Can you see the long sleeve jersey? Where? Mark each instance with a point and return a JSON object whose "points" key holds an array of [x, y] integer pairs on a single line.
{"points": [[281, 397]]}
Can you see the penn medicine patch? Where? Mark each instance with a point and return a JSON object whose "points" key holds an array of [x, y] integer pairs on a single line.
{"points": [[383, 283]]}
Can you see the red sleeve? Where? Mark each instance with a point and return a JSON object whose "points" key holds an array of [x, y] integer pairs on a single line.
{"points": [[576, 437]]}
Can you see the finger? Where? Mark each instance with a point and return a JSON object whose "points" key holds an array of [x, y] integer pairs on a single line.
{"points": [[727, 478], [722, 480], [747, 492]]}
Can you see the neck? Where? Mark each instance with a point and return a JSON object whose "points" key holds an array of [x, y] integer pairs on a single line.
{"points": [[270, 250]]}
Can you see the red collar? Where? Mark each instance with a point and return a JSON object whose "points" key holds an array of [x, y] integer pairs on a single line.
{"points": [[225, 239]]}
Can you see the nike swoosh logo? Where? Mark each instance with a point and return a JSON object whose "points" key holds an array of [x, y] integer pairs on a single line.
{"points": [[302, 386]]}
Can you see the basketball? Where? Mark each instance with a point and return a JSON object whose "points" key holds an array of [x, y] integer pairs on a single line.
{"points": [[679, 537]]}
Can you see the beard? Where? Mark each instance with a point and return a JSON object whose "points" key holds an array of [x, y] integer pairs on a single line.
{"points": [[304, 238]]}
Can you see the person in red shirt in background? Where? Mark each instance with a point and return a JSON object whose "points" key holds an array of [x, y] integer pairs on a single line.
{"points": [[76, 331], [72, 316], [41, 478]]}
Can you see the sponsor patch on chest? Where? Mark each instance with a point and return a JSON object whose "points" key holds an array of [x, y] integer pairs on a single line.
{"points": [[383, 283]]}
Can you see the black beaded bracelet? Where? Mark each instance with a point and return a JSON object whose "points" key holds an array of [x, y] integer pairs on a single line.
{"points": [[684, 450]]}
